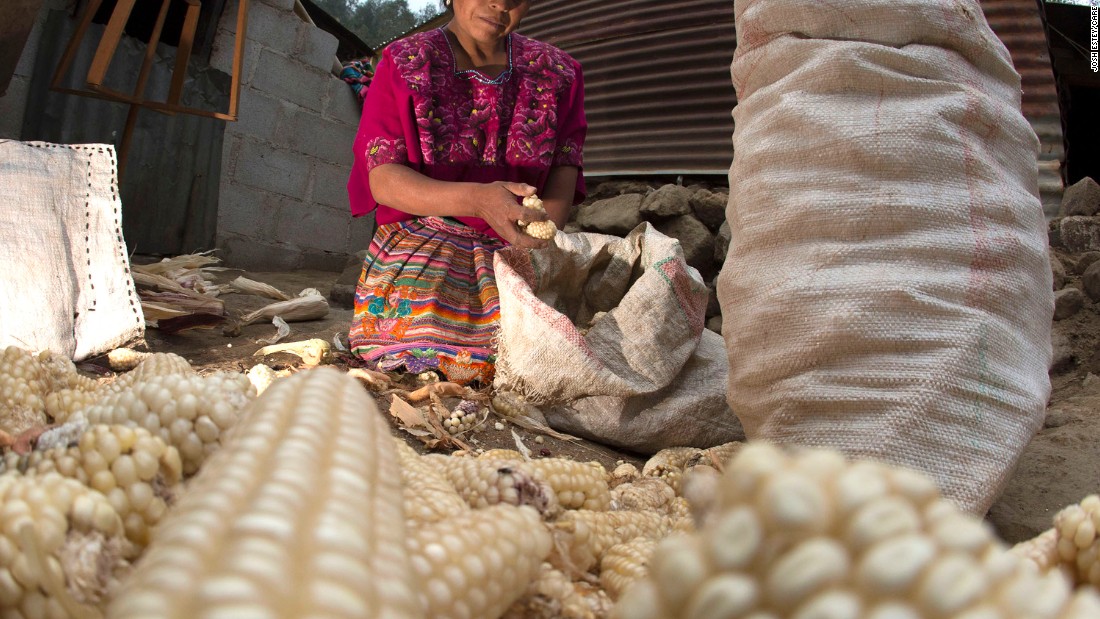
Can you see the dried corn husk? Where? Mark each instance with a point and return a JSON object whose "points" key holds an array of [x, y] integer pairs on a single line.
{"points": [[312, 352], [160, 311], [283, 331], [311, 307], [260, 289], [148, 281], [184, 262]]}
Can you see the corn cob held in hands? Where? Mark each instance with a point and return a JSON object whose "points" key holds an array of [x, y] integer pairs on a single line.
{"points": [[539, 229]]}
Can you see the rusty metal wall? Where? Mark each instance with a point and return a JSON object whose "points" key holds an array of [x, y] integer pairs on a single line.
{"points": [[171, 187], [657, 85], [1018, 24]]}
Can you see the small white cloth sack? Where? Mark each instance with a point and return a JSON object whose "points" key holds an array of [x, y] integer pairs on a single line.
{"points": [[887, 290], [63, 263], [645, 375]]}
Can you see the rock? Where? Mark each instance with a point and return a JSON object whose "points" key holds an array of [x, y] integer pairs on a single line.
{"points": [[1063, 358], [1090, 281], [1057, 269], [1077, 234], [1081, 198], [618, 215], [696, 241], [342, 292], [666, 201], [610, 189], [722, 243], [710, 207], [1085, 260], [713, 307], [1067, 302], [714, 323]]}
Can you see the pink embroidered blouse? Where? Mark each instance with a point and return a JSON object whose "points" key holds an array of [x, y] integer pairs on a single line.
{"points": [[452, 125]]}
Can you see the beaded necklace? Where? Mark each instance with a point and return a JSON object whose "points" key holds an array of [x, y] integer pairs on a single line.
{"points": [[474, 73]]}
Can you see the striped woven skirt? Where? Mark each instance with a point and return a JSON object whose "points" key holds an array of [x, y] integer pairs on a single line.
{"points": [[427, 300]]}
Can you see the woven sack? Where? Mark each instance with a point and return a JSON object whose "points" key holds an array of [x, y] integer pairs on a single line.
{"points": [[887, 289], [642, 355], [66, 274]]}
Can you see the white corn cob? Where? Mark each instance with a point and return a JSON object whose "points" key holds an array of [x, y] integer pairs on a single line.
{"points": [[501, 454], [125, 359], [668, 464], [583, 537], [623, 473], [64, 403], [261, 377], [62, 548], [428, 496], [578, 485], [24, 384], [189, 412], [715, 457], [299, 515], [813, 535], [1072, 545], [625, 563], [476, 564], [482, 483], [135, 470], [645, 494], [61, 373], [553, 595], [538, 229], [463, 418]]}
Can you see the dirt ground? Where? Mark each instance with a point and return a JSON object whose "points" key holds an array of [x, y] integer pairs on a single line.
{"points": [[210, 350]]}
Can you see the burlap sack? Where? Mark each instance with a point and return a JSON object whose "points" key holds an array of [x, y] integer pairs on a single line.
{"points": [[887, 289], [63, 263], [638, 377]]}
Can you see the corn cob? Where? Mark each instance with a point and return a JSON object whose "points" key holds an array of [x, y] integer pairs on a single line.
{"points": [[135, 470], [553, 595], [62, 549], [625, 563], [538, 229], [125, 359], [300, 515], [428, 496], [714, 457], [668, 464], [583, 537], [502, 454], [462, 419], [578, 485], [24, 384], [623, 473], [1072, 545], [645, 494], [699, 486], [64, 403], [62, 374], [481, 483], [510, 404], [812, 535], [261, 377], [1043, 552], [191, 413], [476, 564]]}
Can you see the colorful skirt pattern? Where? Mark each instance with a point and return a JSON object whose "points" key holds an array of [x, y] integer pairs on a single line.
{"points": [[427, 300]]}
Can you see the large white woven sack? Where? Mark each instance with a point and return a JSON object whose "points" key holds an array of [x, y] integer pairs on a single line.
{"points": [[639, 377], [63, 263], [887, 290]]}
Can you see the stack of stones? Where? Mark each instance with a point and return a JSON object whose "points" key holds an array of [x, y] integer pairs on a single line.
{"points": [[1075, 260], [695, 215]]}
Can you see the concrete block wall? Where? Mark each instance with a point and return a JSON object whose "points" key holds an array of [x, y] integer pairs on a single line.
{"points": [[13, 104], [283, 201]]}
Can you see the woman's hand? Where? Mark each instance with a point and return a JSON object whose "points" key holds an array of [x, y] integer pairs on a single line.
{"points": [[498, 205]]}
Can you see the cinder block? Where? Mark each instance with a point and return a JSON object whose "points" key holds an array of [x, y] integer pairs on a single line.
{"points": [[25, 66], [360, 232], [330, 185], [324, 261], [316, 47], [342, 103], [320, 137], [257, 117], [291, 80], [275, 170], [285, 5], [221, 55], [313, 227], [257, 254], [247, 211]]}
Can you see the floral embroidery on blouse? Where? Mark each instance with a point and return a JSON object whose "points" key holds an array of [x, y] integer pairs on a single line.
{"points": [[464, 120], [382, 150]]}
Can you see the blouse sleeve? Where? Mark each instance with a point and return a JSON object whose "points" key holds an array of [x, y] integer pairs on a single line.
{"points": [[572, 129], [383, 134]]}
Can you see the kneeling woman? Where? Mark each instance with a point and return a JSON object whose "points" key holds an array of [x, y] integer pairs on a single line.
{"points": [[459, 124]]}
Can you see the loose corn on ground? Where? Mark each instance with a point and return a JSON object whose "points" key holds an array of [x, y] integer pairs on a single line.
{"points": [[136, 471], [463, 418], [553, 595], [428, 495], [583, 537], [482, 483], [63, 403], [476, 564], [648, 493], [24, 384], [62, 549], [301, 515], [578, 485], [812, 535], [668, 464], [625, 563]]}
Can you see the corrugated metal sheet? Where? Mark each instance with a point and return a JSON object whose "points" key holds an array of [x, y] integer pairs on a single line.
{"points": [[1019, 26], [657, 84], [170, 190]]}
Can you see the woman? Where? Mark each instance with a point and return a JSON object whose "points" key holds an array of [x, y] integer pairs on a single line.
{"points": [[459, 125]]}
